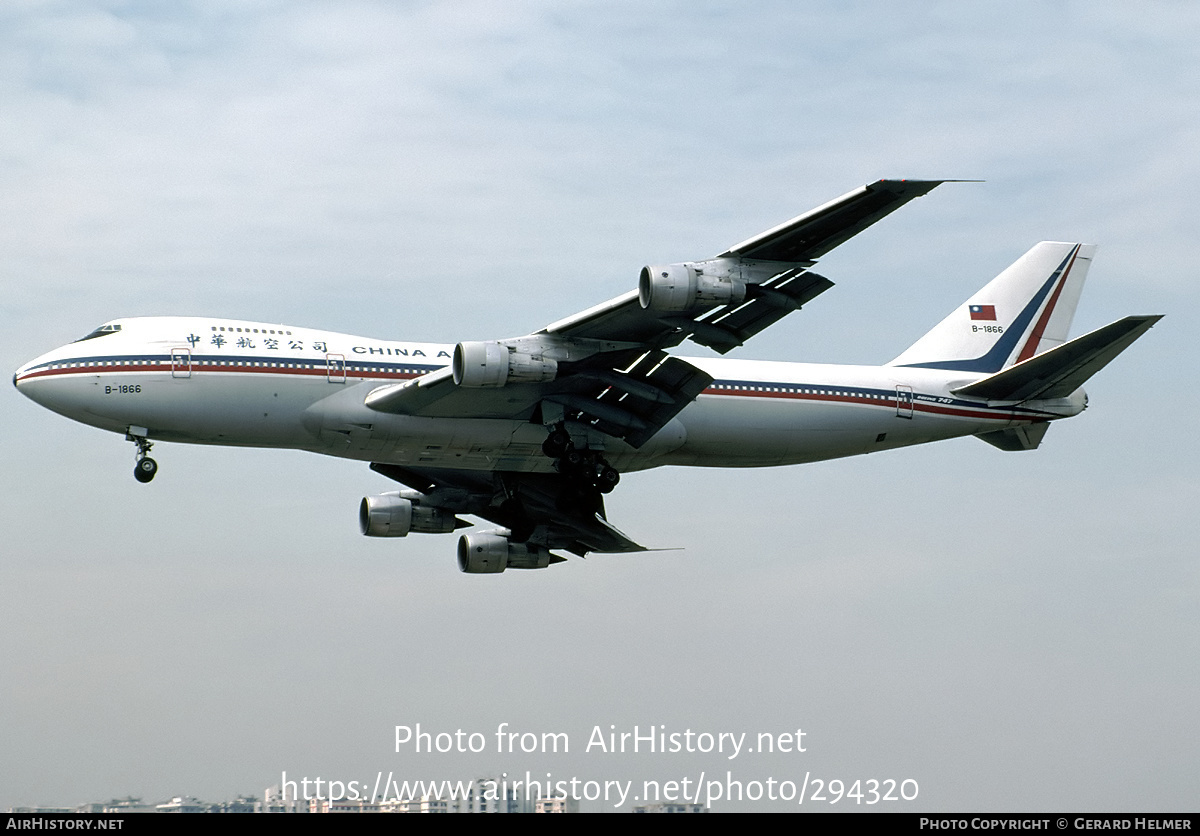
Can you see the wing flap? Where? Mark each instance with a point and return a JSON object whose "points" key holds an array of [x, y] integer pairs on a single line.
{"points": [[766, 304], [635, 403], [721, 328]]}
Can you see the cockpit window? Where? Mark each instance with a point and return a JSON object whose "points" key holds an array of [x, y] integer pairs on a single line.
{"points": [[102, 331]]}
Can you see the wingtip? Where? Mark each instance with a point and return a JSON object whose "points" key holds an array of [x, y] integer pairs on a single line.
{"points": [[912, 181]]}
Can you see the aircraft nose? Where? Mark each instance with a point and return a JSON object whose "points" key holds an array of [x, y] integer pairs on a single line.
{"points": [[29, 379], [19, 374]]}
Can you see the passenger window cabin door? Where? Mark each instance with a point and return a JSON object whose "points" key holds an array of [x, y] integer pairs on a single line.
{"points": [[181, 362], [335, 368]]}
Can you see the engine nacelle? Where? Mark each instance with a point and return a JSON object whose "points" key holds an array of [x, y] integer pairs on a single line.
{"points": [[388, 515], [426, 520], [398, 513], [490, 365], [685, 287], [488, 553]]}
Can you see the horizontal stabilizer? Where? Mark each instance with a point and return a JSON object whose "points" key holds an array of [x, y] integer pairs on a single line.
{"points": [[1060, 371], [1013, 439]]}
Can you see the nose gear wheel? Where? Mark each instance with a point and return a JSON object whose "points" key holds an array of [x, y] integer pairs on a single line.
{"points": [[144, 467]]}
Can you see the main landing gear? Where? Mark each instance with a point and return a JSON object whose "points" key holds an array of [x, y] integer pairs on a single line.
{"points": [[586, 468], [144, 467]]}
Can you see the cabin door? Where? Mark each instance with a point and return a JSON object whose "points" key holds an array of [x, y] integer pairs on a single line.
{"points": [[181, 362]]}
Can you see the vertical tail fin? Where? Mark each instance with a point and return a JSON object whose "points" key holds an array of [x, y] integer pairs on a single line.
{"points": [[1024, 311]]}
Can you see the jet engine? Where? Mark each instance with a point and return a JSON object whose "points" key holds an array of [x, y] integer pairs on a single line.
{"points": [[685, 287], [488, 553], [394, 515], [489, 365]]}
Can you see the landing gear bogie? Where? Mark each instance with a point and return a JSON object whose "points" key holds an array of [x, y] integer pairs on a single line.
{"points": [[586, 470], [607, 479], [556, 443]]}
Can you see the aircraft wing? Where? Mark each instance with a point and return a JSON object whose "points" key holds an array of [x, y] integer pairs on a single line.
{"points": [[626, 393], [780, 258], [606, 367], [543, 509], [722, 328], [815, 233]]}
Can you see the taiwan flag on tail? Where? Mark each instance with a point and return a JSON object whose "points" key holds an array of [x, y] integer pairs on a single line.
{"points": [[986, 312]]}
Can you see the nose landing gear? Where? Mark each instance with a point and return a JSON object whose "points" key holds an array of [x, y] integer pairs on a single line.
{"points": [[144, 467]]}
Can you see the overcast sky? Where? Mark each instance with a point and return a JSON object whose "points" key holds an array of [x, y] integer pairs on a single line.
{"points": [[1012, 631]]}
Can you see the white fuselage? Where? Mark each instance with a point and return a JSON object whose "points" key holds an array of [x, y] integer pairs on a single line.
{"points": [[214, 381]]}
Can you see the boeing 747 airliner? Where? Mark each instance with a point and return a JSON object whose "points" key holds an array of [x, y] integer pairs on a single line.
{"points": [[530, 432]]}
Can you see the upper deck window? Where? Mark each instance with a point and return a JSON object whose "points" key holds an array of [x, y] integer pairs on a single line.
{"points": [[102, 331]]}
